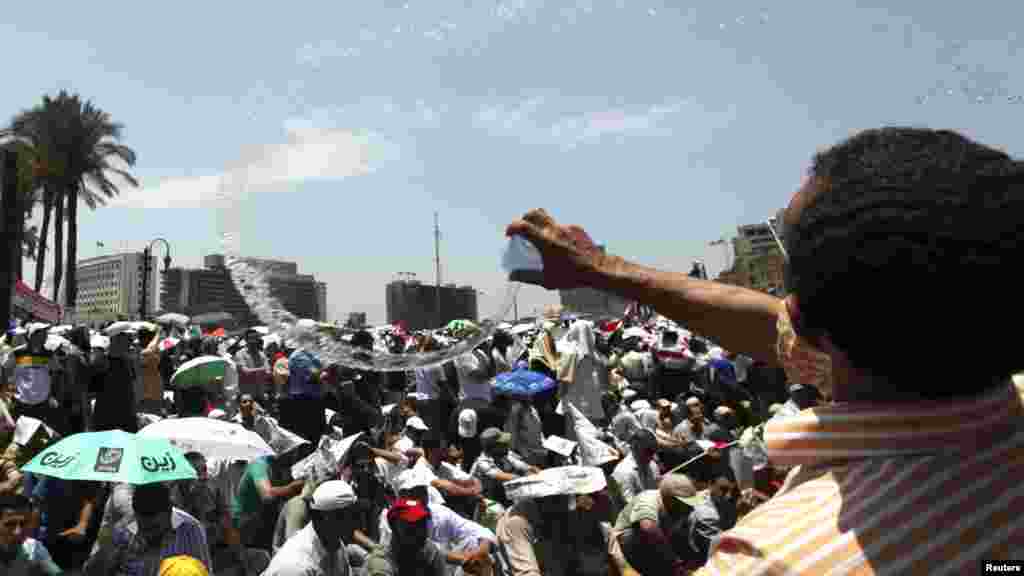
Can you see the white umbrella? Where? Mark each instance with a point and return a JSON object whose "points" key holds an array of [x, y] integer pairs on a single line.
{"points": [[173, 318], [214, 439]]}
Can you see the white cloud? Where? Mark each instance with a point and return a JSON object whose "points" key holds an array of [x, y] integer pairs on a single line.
{"points": [[523, 121], [309, 153]]}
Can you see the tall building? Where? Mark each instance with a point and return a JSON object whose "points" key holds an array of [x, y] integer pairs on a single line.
{"points": [[758, 261], [211, 289], [415, 304], [760, 236], [110, 287], [321, 301], [592, 302]]}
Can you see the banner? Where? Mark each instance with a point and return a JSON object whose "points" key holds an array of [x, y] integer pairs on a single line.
{"points": [[30, 301]]}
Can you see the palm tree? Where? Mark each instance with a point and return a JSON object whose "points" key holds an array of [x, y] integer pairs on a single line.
{"points": [[74, 144], [94, 144], [38, 130]]}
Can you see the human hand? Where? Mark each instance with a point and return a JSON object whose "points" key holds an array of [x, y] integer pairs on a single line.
{"points": [[75, 535], [568, 252]]}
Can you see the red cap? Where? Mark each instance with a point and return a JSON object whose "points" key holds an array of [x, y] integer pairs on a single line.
{"points": [[721, 445], [410, 511]]}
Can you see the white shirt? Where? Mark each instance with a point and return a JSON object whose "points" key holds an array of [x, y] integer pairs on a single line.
{"points": [[304, 555], [632, 480], [448, 530], [473, 377], [390, 470]]}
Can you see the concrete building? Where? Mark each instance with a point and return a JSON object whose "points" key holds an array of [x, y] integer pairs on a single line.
{"points": [[415, 304], [110, 287], [356, 320], [198, 291], [321, 301], [211, 289], [758, 262], [759, 236], [592, 302]]}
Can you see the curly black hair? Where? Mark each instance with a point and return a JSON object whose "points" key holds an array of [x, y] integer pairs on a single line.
{"points": [[903, 251]]}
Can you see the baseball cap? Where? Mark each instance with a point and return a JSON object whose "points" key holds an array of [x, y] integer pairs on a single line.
{"points": [[409, 511], [332, 495], [416, 423], [677, 486], [495, 436], [467, 423]]}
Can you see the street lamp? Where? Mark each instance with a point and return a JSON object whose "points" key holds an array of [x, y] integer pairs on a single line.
{"points": [[146, 268]]}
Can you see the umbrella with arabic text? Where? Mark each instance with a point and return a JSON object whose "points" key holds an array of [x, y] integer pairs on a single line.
{"points": [[112, 456]]}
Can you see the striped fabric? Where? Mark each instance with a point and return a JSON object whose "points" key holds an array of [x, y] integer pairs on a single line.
{"points": [[187, 538], [932, 488]]}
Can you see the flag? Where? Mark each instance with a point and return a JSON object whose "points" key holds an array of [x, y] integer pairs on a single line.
{"points": [[99, 244]]}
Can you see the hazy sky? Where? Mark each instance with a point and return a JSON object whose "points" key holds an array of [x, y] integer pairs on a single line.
{"points": [[330, 132]]}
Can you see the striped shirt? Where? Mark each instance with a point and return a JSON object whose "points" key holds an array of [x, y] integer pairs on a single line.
{"points": [[186, 537], [930, 488]]}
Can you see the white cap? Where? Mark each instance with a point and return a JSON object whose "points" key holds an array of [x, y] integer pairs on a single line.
{"points": [[416, 423], [415, 477], [332, 495], [640, 405], [217, 414], [467, 423]]}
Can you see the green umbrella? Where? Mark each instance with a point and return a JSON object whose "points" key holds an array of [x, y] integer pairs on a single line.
{"points": [[200, 371], [112, 456]]}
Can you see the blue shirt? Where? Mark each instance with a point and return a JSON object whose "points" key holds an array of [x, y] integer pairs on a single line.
{"points": [[301, 365]]}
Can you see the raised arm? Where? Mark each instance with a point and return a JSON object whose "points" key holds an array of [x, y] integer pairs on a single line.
{"points": [[739, 319]]}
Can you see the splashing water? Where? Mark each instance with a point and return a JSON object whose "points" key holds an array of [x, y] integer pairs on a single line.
{"points": [[250, 279]]}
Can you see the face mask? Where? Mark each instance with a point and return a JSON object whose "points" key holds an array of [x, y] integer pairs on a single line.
{"points": [[803, 363]]}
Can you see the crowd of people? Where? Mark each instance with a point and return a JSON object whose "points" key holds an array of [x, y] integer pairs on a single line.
{"points": [[733, 432]]}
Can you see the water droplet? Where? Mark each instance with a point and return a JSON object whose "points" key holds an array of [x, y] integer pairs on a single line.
{"points": [[652, 12], [721, 26]]}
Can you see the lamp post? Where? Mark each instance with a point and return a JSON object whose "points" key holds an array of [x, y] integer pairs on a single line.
{"points": [[146, 268]]}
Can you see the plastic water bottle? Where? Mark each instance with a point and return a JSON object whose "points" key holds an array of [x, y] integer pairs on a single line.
{"points": [[521, 256]]}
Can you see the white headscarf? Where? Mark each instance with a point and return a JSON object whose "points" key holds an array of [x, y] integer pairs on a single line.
{"points": [[581, 335]]}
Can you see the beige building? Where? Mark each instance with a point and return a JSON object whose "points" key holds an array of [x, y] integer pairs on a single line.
{"points": [[110, 287]]}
